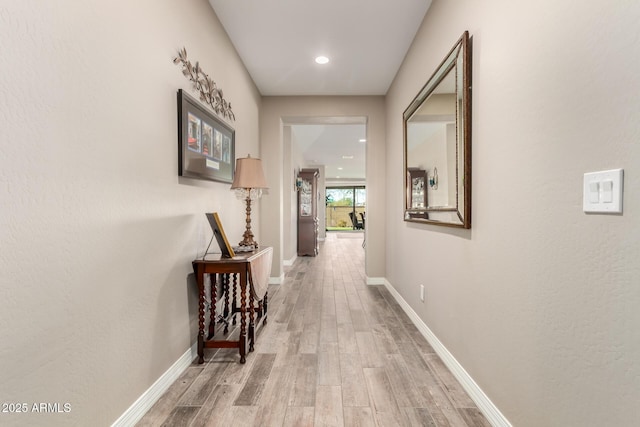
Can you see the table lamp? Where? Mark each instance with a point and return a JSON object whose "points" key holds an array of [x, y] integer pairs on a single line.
{"points": [[248, 182]]}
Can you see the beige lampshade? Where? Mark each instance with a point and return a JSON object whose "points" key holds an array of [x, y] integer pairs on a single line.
{"points": [[249, 174]]}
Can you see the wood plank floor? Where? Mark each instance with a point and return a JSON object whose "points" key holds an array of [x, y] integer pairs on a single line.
{"points": [[335, 352]]}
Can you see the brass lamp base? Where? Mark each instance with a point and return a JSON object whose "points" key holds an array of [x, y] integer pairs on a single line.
{"points": [[248, 234], [248, 242]]}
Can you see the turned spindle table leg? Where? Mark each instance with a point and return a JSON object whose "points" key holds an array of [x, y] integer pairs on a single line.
{"points": [[201, 298], [251, 321], [225, 286], [212, 308], [234, 303], [243, 319], [264, 304]]}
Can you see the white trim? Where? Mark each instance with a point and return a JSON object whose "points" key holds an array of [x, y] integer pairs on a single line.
{"points": [[278, 280], [490, 411], [376, 280], [140, 407], [289, 262]]}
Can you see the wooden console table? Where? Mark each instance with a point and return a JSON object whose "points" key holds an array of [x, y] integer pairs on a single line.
{"points": [[251, 270]]}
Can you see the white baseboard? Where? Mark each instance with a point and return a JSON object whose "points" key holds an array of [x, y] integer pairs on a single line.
{"points": [[289, 262], [140, 407], [376, 281], [278, 280], [486, 406]]}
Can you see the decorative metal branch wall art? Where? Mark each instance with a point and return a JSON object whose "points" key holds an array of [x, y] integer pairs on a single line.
{"points": [[209, 92]]}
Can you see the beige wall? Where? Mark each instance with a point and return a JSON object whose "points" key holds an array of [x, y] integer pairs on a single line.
{"points": [[97, 231], [278, 110], [538, 301], [322, 214], [291, 161]]}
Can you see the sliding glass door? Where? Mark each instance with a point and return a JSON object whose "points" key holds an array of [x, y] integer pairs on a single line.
{"points": [[345, 208]]}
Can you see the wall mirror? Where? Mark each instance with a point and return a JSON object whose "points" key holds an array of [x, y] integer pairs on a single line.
{"points": [[437, 144]]}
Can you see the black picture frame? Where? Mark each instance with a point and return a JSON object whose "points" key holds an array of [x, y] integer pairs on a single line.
{"points": [[206, 144]]}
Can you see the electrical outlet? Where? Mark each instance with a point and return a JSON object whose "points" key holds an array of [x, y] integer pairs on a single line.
{"points": [[422, 293]]}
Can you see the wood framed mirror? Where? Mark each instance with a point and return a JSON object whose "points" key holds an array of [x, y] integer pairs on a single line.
{"points": [[437, 144]]}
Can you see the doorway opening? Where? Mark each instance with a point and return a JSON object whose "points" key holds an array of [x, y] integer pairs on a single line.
{"points": [[336, 147]]}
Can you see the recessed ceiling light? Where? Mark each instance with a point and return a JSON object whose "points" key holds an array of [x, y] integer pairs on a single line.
{"points": [[322, 60], [363, 140], [347, 157], [339, 169]]}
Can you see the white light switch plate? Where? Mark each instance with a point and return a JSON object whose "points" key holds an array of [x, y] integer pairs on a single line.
{"points": [[602, 191]]}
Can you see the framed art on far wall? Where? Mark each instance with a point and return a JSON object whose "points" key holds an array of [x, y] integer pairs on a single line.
{"points": [[206, 145]]}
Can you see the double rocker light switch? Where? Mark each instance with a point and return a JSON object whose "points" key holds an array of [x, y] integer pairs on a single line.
{"points": [[594, 192], [603, 191]]}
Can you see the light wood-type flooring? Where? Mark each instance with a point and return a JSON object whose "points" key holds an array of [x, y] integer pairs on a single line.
{"points": [[335, 352]]}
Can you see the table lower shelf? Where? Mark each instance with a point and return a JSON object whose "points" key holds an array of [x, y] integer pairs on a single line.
{"points": [[257, 317]]}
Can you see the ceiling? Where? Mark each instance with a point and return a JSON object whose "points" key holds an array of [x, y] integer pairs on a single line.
{"points": [[339, 147], [365, 41]]}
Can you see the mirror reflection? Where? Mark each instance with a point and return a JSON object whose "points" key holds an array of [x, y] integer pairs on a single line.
{"points": [[437, 145]]}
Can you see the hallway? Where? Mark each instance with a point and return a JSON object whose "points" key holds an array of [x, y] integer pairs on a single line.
{"points": [[335, 352]]}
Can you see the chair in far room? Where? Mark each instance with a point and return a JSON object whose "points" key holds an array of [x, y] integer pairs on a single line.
{"points": [[357, 225]]}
